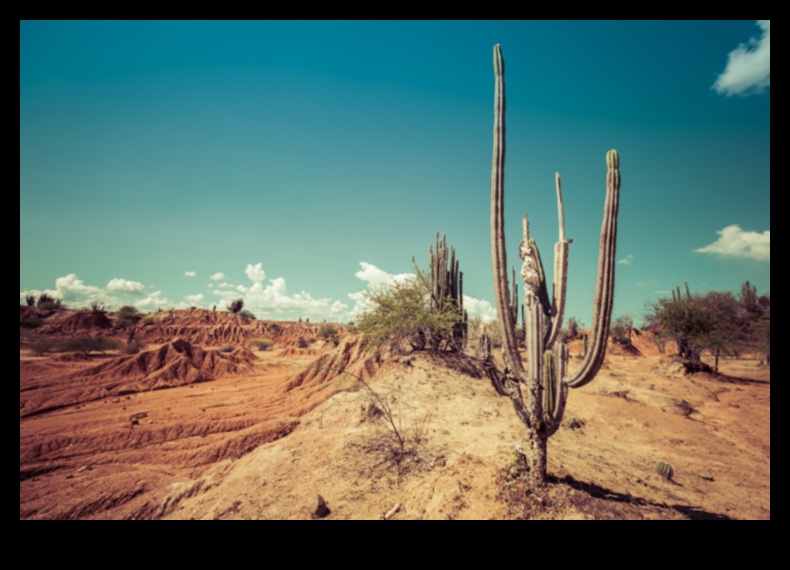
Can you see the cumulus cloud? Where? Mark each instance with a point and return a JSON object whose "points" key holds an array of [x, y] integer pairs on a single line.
{"points": [[189, 273], [626, 260], [255, 272], [194, 299], [375, 277], [479, 308], [217, 276], [155, 300], [274, 300], [117, 285], [748, 67], [735, 242]]}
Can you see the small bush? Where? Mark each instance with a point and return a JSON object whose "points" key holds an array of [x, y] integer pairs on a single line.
{"points": [[149, 320], [236, 306], [30, 300], [334, 339], [327, 331], [261, 343], [621, 330], [227, 348], [302, 343], [98, 308], [88, 344], [247, 315], [42, 345], [129, 313]]}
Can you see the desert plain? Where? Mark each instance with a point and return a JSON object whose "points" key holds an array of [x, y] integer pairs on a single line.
{"points": [[201, 425]]}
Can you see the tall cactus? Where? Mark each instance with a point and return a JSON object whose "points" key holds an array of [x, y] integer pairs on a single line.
{"points": [[545, 380]]}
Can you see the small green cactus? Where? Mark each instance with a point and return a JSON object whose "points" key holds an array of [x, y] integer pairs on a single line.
{"points": [[572, 423], [665, 470]]}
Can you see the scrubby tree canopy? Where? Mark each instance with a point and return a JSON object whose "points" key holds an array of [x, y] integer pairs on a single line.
{"points": [[716, 321]]}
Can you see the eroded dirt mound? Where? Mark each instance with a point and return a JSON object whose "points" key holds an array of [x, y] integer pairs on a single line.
{"points": [[69, 322], [217, 328], [348, 362], [177, 363]]}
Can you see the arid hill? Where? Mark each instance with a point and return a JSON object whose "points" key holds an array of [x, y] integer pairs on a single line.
{"points": [[181, 430]]}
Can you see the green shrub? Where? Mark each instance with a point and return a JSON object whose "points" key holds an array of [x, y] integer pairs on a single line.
{"points": [[261, 343], [148, 320], [227, 348], [247, 315], [236, 306], [404, 313], [43, 344], [326, 331], [129, 313], [88, 344], [621, 330]]}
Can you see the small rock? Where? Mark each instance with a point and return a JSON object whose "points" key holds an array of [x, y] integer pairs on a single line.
{"points": [[321, 510]]}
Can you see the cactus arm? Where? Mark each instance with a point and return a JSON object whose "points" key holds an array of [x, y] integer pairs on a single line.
{"points": [[604, 286], [498, 256], [560, 270]]}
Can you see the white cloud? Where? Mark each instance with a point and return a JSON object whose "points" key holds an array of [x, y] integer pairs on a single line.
{"points": [[626, 260], [154, 300], [117, 285], [255, 272], [217, 276], [479, 308], [376, 277], [189, 273], [748, 66], [71, 288], [194, 299], [273, 301], [735, 242]]}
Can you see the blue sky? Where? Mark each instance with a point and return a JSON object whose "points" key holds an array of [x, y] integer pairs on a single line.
{"points": [[295, 164]]}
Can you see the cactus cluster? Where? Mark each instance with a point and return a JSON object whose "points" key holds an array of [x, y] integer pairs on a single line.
{"points": [[664, 469], [446, 285], [544, 380]]}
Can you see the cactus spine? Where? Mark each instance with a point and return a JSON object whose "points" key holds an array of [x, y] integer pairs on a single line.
{"points": [[545, 379]]}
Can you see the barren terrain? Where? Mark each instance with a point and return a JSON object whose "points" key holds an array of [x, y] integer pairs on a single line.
{"points": [[182, 430]]}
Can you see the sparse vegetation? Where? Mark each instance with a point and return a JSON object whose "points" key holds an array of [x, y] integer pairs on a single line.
{"points": [[148, 320], [620, 330], [247, 315], [236, 306], [327, 331], [88, 344], [261, 343], [227, 348], [48, 304], [30, 300], [716, 321], [404, 314], [129, 314], [133, 347]]}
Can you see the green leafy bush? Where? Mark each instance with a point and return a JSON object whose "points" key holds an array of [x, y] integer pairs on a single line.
{"points": [[247, 315], [621, 330], [261, 343], [326, 331], [88, 344], [129, 313], [404, 313]]}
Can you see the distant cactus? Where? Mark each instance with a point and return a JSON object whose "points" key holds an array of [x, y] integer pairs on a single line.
{"points": [[665, 470], [572, 423]]}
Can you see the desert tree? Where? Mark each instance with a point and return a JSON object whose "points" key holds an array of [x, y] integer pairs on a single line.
{"points": [[236, 306]]}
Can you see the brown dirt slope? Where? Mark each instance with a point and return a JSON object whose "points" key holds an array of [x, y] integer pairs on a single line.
{"points": [[265, 443]]}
